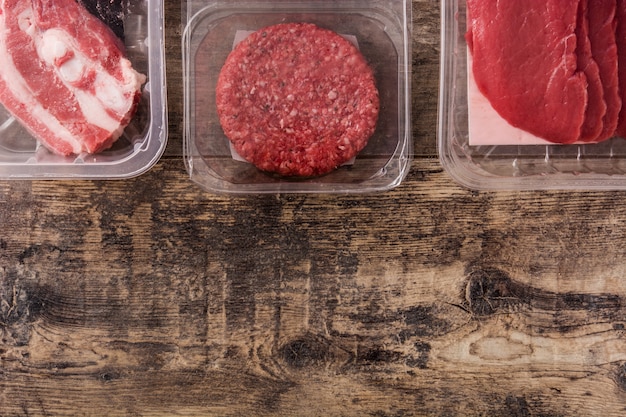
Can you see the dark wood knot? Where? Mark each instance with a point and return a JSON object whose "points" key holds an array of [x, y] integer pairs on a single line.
{"points": [[491, 290], [305, 352], [620, 376]]}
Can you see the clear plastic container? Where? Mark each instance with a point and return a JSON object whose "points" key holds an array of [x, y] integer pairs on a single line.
{"points": [[142, 142], [510, 167], [382, 30]]}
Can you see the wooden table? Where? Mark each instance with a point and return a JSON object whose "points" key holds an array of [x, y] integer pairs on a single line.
{"points": [[152, 297]]}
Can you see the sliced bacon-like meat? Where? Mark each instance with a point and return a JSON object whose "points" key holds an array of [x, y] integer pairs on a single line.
{"points": [[64, 76]]}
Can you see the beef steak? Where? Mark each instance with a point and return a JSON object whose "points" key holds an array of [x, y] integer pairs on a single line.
{"points": [[596, 105], [602, 21], [525, 63], [620, 33]]}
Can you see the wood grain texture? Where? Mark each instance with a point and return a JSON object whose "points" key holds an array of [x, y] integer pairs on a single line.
{"points": [[413, 302], [151, 297]]}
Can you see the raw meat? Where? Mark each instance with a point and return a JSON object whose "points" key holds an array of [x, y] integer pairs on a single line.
{"points": [[63, 74], [620, 35], [601, 17], [596, 105], [297, 100], [515, 91], [536, 84]]}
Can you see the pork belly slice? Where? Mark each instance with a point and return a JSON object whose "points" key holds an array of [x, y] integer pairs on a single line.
{"points": [[64, 76], [525, 63]]}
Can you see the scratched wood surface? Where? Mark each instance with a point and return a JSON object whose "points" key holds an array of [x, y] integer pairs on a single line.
{"points": [[150, 297]]}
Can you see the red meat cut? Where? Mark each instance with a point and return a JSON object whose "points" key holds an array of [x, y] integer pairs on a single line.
{"points": [[601, 19], [593, 124], [620, 33], [64, 76], [536, 84]]}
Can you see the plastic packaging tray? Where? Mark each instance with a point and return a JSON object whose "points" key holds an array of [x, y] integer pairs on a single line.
{"points": [[382, 30], [142, 142], [510, 167]]}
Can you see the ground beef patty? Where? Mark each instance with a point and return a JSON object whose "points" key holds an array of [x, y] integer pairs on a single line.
{"points": [[297, 100]]}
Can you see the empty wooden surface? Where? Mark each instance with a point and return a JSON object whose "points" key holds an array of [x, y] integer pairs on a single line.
{"points": [[151, 297]]}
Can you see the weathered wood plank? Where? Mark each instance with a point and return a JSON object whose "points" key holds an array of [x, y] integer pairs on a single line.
{"points": [[429, 299], [174, 75], [425, 68]]}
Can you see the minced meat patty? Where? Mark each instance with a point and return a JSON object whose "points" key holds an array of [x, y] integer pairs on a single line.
{"points": [[297, 100]]}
